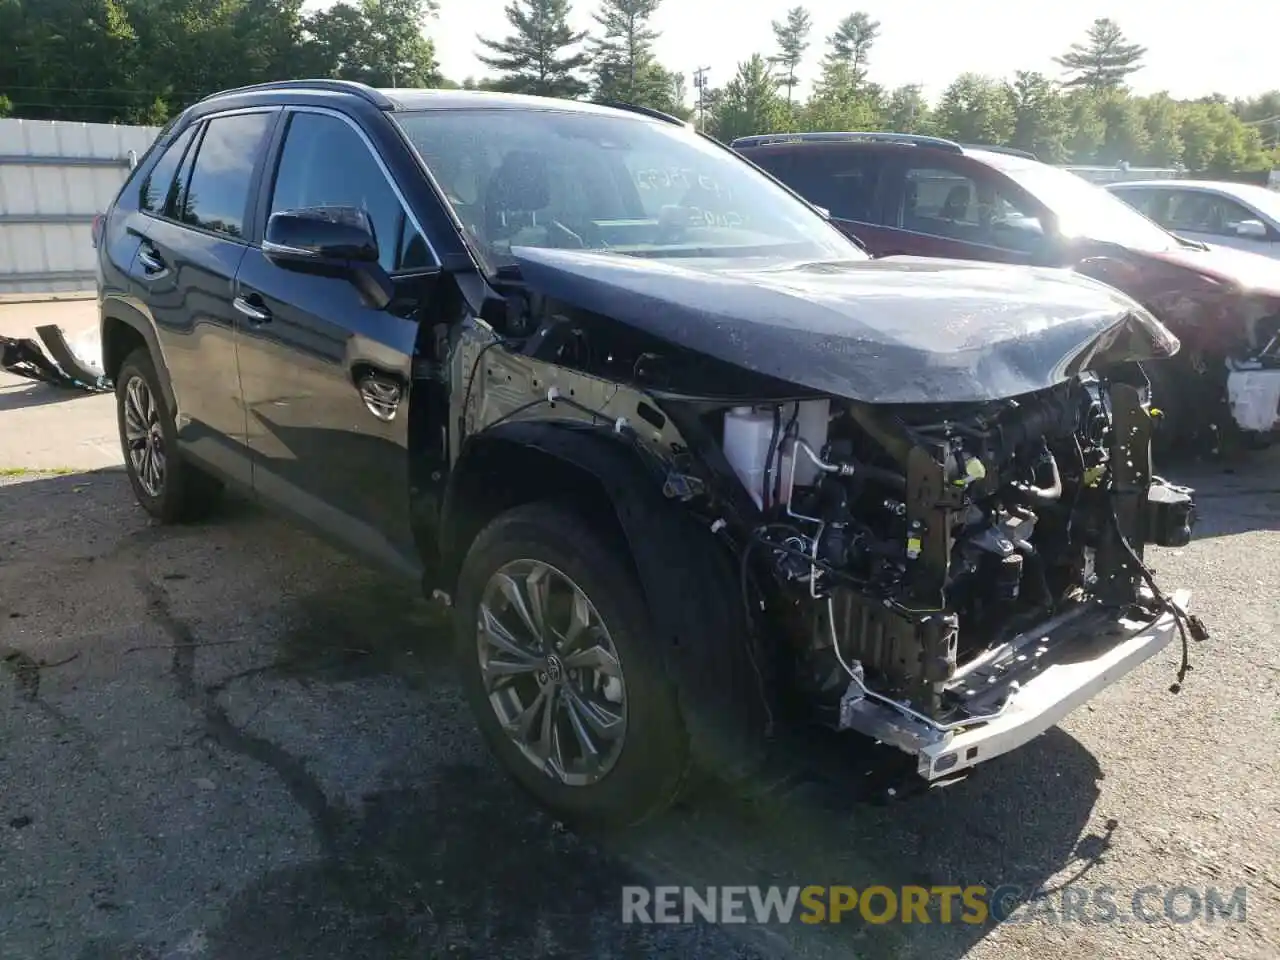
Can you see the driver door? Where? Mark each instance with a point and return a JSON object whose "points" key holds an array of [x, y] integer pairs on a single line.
{"points": [[325, 376]]}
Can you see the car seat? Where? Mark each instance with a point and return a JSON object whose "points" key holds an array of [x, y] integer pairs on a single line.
{"points": [[518, 190]]}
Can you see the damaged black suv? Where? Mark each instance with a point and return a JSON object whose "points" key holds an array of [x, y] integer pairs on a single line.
{"points": [[685, 462]]}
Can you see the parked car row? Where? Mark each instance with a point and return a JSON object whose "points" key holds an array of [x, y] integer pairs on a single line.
{"points": [[687, 464], [922, 196]]}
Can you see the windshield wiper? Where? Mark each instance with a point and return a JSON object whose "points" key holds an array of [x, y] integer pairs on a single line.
{"points": [[1193, 244]]}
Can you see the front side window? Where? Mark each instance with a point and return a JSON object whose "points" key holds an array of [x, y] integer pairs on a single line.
{"points": [[218, 191], [1194, 211], [325, 163], [159, 191], [621, 184], [944, 203]]}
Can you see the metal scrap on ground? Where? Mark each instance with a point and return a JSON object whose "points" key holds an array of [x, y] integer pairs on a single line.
{"points": [[56, 363]]}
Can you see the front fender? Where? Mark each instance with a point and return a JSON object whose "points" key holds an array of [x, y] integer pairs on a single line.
{"points": [[687, 574]]}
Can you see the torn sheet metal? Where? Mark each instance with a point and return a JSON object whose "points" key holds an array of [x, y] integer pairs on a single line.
{"points": [[1254, 396], [57, 362]]}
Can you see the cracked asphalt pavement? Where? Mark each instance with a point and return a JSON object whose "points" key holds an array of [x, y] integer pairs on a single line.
{"points": [[230, 741]]}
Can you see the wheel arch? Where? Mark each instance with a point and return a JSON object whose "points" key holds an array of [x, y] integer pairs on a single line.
{"points": [[686, 574], [123, 329]]}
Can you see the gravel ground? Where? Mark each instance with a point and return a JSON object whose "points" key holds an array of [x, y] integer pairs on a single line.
{"points": [[228, 741]]}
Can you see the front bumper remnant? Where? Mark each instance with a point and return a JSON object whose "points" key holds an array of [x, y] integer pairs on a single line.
{"points": [[1023, 687], [57, 363]]}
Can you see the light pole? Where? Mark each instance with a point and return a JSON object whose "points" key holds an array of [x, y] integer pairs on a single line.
{"points": [[700, 84]]}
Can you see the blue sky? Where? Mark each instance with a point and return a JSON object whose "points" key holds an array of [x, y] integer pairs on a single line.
{"points": [[1191, 54]]}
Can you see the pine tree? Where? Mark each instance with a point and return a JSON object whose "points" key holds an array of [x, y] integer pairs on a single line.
{"points": [[793, 40], [536, 57], [623, 62], [850, 48], [1104, 61]]}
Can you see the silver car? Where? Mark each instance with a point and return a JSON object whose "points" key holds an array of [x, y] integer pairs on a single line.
{"points": [[1238, 215]]}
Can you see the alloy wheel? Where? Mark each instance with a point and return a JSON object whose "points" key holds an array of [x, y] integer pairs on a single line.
{"points": [[143, 436], [551, 672]]}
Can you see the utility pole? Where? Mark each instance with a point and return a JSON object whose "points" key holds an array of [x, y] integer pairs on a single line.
{"points": [[700, 84]]}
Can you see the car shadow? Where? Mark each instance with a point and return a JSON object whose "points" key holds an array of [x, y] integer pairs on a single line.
{"points": [[1236, 493], [444, 856], [21, 396]]}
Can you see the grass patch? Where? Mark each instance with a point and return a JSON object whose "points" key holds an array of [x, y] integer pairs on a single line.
{"points": [[37, 471]]}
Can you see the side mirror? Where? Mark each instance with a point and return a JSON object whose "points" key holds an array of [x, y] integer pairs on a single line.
{"points": [[1254, 229], [826, 214], [329, 241]]}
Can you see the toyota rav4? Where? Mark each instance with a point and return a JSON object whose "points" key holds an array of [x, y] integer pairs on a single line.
{"points": [[686, 464]]}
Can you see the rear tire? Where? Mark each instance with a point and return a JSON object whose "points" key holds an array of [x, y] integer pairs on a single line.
{"points": [[167, 486], [598, 667]]}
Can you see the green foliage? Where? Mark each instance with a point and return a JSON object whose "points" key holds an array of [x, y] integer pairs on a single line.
{"points": [[538, 57], [622, 58], [844, 67], [1041, 120], [750, 102], [140, 61], [905, 110], [1104, 61], [792, 36], [976, 109]]}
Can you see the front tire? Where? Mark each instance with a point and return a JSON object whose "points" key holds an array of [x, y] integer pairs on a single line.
{"points": [[560, 668], [167, 486]]}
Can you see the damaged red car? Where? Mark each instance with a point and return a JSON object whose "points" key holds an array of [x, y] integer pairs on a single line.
{"points": [[923, 196]]}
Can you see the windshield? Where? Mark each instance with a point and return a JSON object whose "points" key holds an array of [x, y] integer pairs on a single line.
{"points": [[1087, 211], [1266, 202], [623, 184]]}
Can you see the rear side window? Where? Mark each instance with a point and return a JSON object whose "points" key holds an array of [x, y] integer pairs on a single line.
{"points": [[842, 182], [159, 192], [218, 191], [1149, 203], [325, 163]]}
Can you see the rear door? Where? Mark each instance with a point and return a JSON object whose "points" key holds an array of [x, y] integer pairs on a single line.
{"points": [[190, 228], [327, 377]]}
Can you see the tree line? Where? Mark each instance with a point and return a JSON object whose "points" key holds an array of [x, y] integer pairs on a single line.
{"points": [[140, 61]]}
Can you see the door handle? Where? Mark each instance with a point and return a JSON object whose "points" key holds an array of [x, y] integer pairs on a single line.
{"points": [[254, 313], [150, 260]]}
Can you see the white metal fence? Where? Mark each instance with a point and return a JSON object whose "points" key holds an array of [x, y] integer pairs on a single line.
{"points": [[54, 177]]}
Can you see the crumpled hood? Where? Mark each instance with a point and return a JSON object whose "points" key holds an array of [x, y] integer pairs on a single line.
{"points": [[898, 330], [1252, 272]]}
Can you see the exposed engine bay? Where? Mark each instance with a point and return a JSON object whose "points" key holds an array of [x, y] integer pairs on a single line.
{"points": [[909, 546]]}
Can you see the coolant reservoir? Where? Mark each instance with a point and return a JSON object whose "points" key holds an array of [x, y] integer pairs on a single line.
{"points": [[747, 434]]}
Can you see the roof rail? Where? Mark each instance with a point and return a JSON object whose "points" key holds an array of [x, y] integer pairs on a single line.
{"points": [[645, 111], [1011, 151], [874, 136], [336, 86]]}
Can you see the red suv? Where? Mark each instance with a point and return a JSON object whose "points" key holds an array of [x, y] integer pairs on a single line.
{"points": [[923, 196]]}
